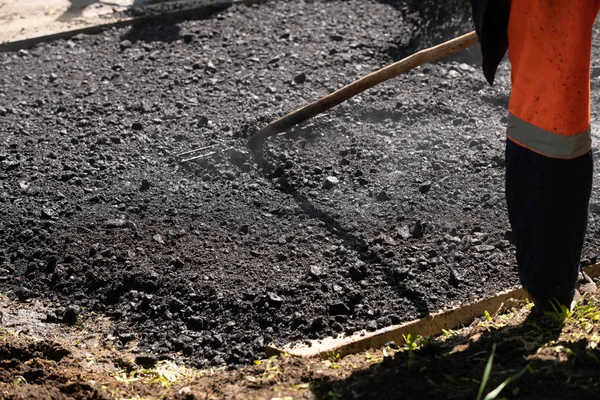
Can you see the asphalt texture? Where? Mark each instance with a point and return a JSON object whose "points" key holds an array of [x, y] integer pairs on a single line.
{"points": [[382, 210]]}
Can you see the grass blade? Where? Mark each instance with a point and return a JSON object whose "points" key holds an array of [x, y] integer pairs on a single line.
{"points": [[486, 373], [494, 393]]}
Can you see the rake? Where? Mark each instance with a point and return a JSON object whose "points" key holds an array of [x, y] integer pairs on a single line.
{"points": [[391, 71]]}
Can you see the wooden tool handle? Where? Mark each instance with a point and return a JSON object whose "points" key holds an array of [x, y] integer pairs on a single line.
{"points": [[325, 103]]}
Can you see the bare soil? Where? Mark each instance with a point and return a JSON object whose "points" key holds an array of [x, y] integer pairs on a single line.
{"points": [[555, 356]]}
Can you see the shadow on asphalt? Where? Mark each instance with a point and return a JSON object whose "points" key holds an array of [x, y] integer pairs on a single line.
{"points": [[166, 32], [350, 240], [436, 22], [165, 28], [434, 372]]}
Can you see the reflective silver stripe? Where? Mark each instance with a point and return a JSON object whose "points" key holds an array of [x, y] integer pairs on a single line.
{"points": [[548, 143]]}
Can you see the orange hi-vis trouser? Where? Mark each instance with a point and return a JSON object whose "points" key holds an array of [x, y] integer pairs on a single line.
{"points": [[550, 43]]}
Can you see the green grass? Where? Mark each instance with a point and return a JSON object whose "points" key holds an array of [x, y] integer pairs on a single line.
{"points": [[486, 376]]}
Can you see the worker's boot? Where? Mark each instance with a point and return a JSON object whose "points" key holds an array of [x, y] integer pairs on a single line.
{"points": [[553, 304], [584, 286]]}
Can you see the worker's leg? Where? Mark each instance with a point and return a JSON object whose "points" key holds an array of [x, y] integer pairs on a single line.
{"points": [[548, 203]]}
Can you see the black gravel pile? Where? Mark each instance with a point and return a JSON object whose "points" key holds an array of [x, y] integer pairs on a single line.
{"points": [[382, 210]]}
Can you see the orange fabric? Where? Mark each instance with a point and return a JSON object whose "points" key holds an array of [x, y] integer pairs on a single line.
{"points": [[549, 46]]}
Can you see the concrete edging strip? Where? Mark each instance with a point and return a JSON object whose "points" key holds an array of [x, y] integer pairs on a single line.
{"points": [[433, 324], [183, 13]]}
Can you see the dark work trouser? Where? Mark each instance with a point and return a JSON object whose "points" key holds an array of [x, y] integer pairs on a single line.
{"points": [[548, 202]]}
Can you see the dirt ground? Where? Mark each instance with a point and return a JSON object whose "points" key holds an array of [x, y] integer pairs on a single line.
{"points": [[531, 357], [24, 19], [27, 19], [381, 211]]}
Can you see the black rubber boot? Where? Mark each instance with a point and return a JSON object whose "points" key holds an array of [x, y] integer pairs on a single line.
{"points": [[584, 286], [546, 304]]}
